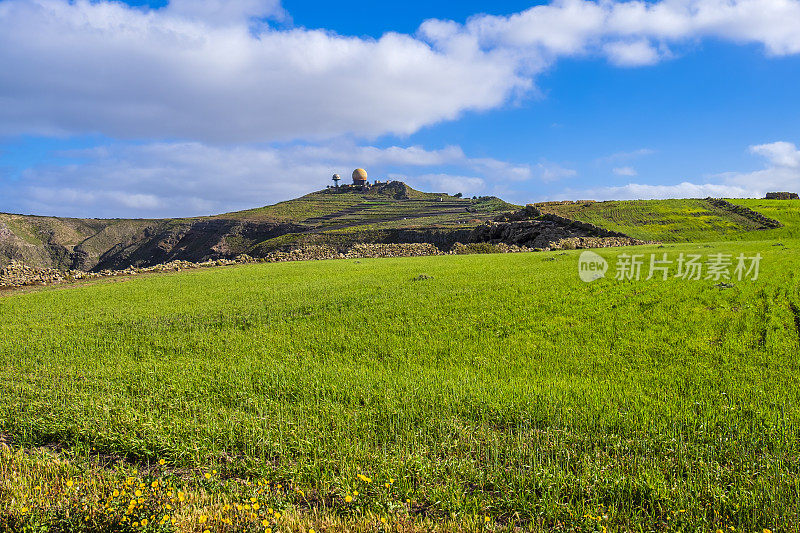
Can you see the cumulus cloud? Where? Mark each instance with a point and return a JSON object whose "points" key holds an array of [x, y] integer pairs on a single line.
{"points": [[103, 67], [200, 70], [781, 173], [191, 178]]}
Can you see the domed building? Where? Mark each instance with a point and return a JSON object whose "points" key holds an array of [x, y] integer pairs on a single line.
{"points": [[359, 177]]}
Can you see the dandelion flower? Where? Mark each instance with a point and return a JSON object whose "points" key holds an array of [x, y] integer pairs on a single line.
{"points": [[202, 519], [24, 510], [137, 493], [277, 515], [265, 522], [207, 475], [486, 518], [270, 510], [181, 496], [355, 493], [70, 483], [161, 462], [253, 499], [144, 522], [256, 507], [348, 498], [383, 520], [213, 471]]}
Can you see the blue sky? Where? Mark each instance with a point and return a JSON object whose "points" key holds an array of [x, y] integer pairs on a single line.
{"points": [[203, 106]]}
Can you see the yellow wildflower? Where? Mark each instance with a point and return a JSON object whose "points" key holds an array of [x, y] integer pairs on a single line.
{"points": [[207, 475], [70, 483], [348, 498], [144, 522], [202, 519], [161, 462]]}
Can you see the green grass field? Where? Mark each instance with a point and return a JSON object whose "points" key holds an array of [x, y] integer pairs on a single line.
{"points": [[498, 392], [692, 220]]}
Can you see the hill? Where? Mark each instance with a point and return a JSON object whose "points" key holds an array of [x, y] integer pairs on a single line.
{"points": [[385, 213], [688, 220], [388, 212]]}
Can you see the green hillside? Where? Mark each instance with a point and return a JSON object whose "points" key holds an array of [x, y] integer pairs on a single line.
{"points": [[344, 216], [785, 211], [524, 396], [690, 220], [389, 202]]}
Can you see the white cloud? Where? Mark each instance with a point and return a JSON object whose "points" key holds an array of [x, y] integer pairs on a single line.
{"points": [[224, 12], [638, 191], [200, 70], [192, 178], [466, 185], [625, 171], [632, 54], [779, 154], [127, 73], [781, 173]]}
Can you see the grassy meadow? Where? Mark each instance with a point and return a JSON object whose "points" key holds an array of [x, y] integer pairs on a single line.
{"points": [[454, 393], [684, 220]]}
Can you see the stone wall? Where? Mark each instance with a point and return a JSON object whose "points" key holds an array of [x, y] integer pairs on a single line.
{"points": [[782, 196], [764, 222]]}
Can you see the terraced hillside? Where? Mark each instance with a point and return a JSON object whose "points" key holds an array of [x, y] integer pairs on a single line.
{"points": [[390, 212], [688, 220]]}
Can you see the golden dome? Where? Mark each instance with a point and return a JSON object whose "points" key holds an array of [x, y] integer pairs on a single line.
{"points": [[359, 174]]}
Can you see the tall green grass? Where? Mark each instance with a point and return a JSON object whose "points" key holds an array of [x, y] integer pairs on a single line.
{"points": [[499, 384]]}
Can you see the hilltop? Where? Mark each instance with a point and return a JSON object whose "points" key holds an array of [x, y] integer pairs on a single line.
{"points": [[385, 213]]}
